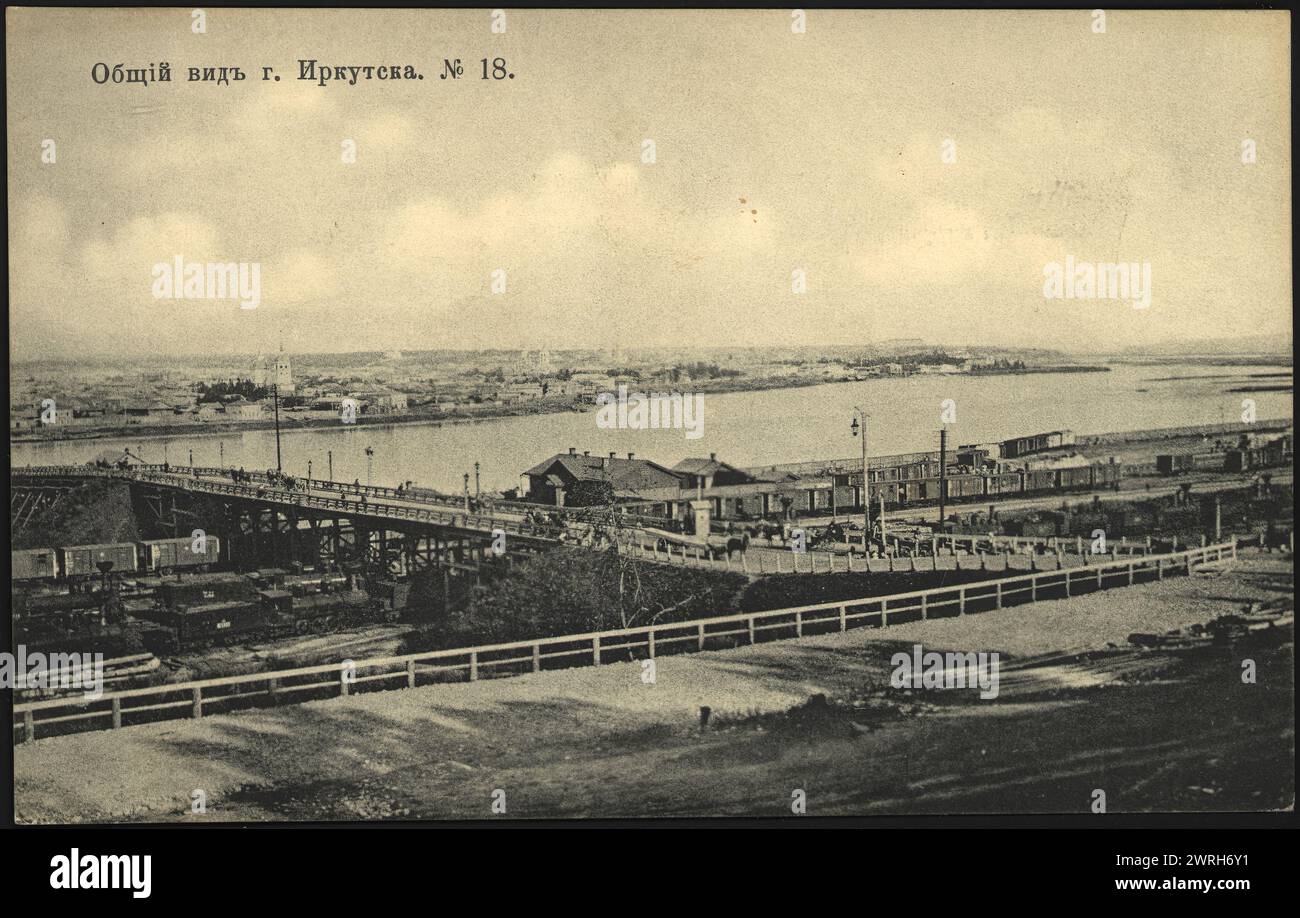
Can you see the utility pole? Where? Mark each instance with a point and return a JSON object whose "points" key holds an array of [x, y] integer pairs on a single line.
{"points": [[275, 396], [943, 474]]}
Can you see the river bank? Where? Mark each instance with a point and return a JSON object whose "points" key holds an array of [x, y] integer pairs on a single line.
{"points": [[290, 420]]}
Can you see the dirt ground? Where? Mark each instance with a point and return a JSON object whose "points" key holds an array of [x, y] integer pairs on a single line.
{"points": [[1080, 709]]}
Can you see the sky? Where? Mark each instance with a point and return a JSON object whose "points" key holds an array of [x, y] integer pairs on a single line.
{"points": [[920, 168]]}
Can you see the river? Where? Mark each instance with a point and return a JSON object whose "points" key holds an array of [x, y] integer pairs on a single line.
{"points": [[743, 428]]}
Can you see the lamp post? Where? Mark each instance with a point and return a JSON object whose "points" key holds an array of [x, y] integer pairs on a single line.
{"points": [[222, 446], [275, 396], [370, 455], [476, 489], [309, 470], [329, 454], [861, 428]]}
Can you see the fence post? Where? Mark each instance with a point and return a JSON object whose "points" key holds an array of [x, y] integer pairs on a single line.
{"points": [[1160, 569], [751, 629], [197, 695], [537, 658], [1099, 570], [1033, 589], [1067, 581], [844, 614], [652, 643], [961, 601], [29, 727], [701, 640], [343, 681], [923, 606], [410, 674], [117, 713], [595, 650], [884, 613], [798, 624], [999, 596], [1130, 572], [473, 666]]}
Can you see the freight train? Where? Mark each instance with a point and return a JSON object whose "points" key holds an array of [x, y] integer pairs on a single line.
{"points": [[75, 563], [195, 611], [901, 492]]}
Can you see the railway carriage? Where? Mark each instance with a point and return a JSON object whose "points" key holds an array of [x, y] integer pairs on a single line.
{"points": [[79, 561], [164, 555], [34, 564]]}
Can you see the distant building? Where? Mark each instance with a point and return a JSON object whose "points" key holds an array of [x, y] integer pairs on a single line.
{"points": [[276, 371], [241, 410], [155, 412], [555, 480]]}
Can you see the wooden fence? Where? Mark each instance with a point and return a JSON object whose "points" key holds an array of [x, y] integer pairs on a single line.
{"points": [[114, 709]]}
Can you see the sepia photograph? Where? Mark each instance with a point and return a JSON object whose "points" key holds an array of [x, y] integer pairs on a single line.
{"points": [[492, 415]]}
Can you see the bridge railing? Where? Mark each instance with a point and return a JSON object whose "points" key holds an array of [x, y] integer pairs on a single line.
{"points": [[169, 701], [290, 498]]}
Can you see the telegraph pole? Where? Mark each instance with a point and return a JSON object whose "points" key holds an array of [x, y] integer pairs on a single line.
{"points": [[275, 396], [943, 474]]}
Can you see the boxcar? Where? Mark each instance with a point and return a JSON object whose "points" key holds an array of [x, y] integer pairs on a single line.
{"points": [[34, 564], [1004, 483], [914, 490], [1072, 479], [965, 486], [173, 554], [1106, 474], [1040, 480], [84, 560], [1174, 464], [891, 489]]}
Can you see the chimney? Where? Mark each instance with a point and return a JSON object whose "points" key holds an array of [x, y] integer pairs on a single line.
{"points": [[611, 455], [573, 451], [586, 452], [631, 455], [713, 457]]}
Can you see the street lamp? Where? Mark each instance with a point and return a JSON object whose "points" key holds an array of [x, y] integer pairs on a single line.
{"points": [[329, 454], [476, 490], [370, 453], [308, 470], [861, 428]]}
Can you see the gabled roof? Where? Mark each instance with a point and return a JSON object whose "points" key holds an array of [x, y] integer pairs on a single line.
{"points": [[622, 474], [710, 466]]}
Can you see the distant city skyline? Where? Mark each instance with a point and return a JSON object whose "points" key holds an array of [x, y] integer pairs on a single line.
{"points": [[921, 168]]}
